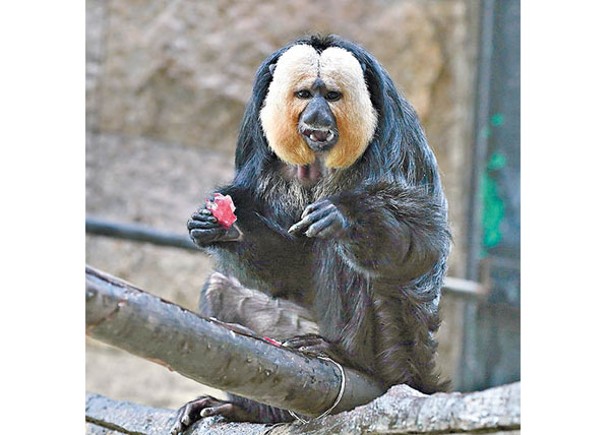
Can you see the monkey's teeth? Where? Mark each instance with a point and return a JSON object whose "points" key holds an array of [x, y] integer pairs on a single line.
{"points": [[324, 137]]}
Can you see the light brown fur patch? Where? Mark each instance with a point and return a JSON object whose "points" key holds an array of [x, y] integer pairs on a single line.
{"points": [[356, 118]]}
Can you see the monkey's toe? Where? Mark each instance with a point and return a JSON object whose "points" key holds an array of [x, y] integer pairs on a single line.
{"points": [[207, 406], [201, 407], [188, 415]]}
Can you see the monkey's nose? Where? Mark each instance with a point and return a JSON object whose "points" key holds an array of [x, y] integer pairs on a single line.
{"points": [[318, 115]]}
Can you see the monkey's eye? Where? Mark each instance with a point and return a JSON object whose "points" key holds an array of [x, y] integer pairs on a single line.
{"points": [[303, 94], [333, 96]]}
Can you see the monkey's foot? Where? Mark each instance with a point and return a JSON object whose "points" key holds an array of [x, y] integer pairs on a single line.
{"points": [[314, 345], [206, 406]]}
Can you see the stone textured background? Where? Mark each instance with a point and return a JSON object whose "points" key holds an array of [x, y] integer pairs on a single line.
{"points": [[167, 82]]}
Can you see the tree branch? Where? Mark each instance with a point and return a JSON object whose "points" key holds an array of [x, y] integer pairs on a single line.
{"points": [[204, 350], [402, 410]]}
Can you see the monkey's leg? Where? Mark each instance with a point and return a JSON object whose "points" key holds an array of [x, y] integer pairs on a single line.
{"points": [[227, 300]]}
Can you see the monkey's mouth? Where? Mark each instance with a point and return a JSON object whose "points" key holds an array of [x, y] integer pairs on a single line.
{"points": [[319, 139]]}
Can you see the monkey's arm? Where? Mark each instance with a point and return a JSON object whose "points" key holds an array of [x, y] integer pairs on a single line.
{"points": [[386, 230]]}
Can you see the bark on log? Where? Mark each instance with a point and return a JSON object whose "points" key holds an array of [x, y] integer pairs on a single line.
{"points": [[201, 349], [401, 410], [404, 410]]}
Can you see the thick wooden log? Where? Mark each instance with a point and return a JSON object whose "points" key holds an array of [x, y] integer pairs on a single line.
{"points": [[103, 415], [404, 410], [401, 410], [202, 349]]}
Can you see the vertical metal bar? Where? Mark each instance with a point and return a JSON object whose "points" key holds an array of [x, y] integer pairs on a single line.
{"points": [[483, 91], [469, 349], [491, 344]]}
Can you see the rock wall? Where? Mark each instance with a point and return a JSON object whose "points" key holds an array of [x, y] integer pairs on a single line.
{"points": [[167, 82]]}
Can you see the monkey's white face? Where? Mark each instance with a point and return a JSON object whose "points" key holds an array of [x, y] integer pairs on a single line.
{"points": [[318, 108]]}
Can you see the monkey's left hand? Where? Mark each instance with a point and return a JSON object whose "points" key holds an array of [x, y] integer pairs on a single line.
{"points": [[321, 219]]}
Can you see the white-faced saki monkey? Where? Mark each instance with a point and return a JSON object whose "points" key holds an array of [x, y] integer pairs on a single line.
{"points": [[342, 238]]}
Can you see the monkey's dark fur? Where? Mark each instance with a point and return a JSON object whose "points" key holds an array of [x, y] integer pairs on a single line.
{"points": [[373, 287]]}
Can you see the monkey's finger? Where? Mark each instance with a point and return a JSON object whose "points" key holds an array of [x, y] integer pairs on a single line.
{"points": [[225, 409], [318, 226], [322, 213], [189, 413], [204, 236], [202, 213], [193, 224], [302, 340], [203, 217], [325, 227], [299, 227], [310, 219], [206, 217], [317, 206]]}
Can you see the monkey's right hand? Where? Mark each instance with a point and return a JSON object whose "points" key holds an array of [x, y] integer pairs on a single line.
{"points": [[204, 229]]}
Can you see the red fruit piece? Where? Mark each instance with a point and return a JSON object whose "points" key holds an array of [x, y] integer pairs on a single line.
{"points": [[222, 208]]}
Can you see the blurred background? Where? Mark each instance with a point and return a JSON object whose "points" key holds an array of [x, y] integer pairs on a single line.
{"points": [[167, 83]]}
